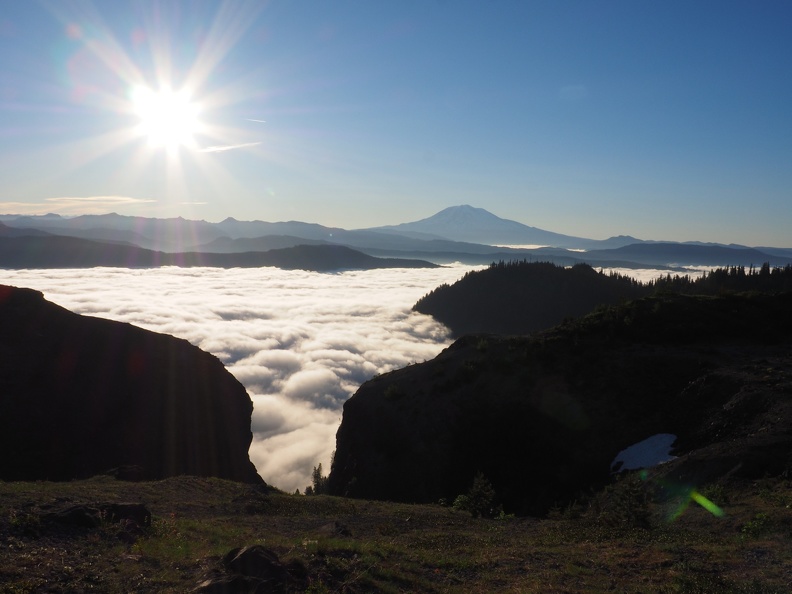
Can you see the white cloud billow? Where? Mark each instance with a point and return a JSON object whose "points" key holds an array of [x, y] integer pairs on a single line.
{"points": [[300, 342]]}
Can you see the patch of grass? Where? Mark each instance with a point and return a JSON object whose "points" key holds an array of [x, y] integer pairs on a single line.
{"points": [[756, 526], [23, 524], [776, 492], [717, 493], [390, 547]]}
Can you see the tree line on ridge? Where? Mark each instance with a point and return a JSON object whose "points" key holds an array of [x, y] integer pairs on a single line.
{"points": [[520, 297]]}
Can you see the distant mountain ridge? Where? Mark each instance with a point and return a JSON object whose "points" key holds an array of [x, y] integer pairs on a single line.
{"points": [[476, 225], [686, 254], [172, 234], [456, 234], [55, 251], [6, 231]]}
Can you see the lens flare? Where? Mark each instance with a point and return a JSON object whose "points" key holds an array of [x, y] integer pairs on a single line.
{"points": [[685, 495], [707, 504]]}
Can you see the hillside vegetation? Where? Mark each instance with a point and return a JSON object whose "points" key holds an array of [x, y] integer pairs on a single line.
{"points": [[542, 416], [620, 542], [520, 297]]}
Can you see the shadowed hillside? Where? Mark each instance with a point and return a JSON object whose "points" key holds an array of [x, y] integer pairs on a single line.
{"points": [[82, 395], [523, 297], [543, 416]]}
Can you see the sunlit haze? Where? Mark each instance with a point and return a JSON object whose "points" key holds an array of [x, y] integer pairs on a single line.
{"points": [[660, 120]]}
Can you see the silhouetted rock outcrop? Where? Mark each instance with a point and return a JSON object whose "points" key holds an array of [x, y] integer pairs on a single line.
{"points": [[543, 416], [81, 395]]}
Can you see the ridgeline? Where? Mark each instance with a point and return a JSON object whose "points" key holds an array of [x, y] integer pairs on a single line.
{"points": [[522, 297]]}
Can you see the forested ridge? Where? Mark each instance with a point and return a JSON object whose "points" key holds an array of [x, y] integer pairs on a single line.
{"points": [[519, 297], [766, 279]]}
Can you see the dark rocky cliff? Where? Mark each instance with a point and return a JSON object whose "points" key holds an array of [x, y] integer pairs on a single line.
{"points": [[81, 395], [543, 416]]}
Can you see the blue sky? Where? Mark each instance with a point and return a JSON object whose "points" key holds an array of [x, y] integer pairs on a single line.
{"points": [[663, 120]]}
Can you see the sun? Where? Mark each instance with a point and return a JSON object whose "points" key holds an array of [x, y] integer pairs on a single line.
{"points": [[168, 118]]}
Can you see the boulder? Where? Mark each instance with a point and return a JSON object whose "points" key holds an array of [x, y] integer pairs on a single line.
{"points": [[252, 570], [76, 516], [258, 562], [135, 512]]}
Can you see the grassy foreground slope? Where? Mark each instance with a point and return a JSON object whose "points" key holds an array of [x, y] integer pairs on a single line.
{"points": [[619, 541]]}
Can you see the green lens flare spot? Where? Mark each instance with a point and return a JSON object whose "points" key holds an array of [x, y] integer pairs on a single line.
{"points": [[707, 504]]}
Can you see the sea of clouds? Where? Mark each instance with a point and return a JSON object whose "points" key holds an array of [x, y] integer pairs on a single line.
{"points": [[300, 342]]}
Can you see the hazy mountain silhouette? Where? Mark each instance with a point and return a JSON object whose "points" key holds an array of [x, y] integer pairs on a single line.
{"points": [[71, 252], [6, 231], [476, 225], [459, 233], [226, 245], [175, 234], [687, 254], [236, 229], [372, 242], [774, 251]]}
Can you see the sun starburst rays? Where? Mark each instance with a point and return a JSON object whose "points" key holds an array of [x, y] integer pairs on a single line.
{"points": [[168, 113], [229, 25]]}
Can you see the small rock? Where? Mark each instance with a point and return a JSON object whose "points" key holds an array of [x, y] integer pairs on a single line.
{"points": [[335, 529], [131, 472], [83, 516], [137, 512], [232, 584], [130, 531], [247, 570], [257, 561]]}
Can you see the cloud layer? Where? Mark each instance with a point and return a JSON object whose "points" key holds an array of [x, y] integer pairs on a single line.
{"points": [[300, 342]]}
